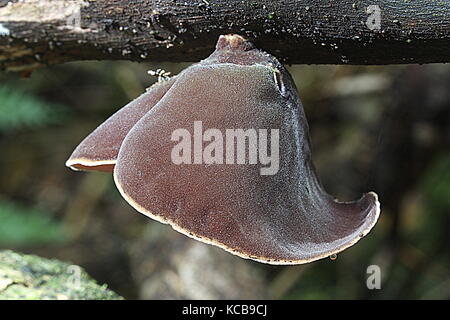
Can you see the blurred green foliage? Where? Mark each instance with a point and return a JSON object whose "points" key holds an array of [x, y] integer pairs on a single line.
{"points": [[21, 110], [22, 226], [435, 186]]}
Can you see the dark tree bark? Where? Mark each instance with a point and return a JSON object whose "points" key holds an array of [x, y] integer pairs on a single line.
{"points": [[40, 32]]}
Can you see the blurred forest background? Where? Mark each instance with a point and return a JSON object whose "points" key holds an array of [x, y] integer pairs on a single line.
{"points": [[382, 129]]}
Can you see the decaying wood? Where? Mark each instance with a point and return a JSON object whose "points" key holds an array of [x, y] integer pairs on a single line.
{"points": [[40, 32]]}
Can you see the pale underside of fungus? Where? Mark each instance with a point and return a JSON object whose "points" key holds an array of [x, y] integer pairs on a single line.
{"points": [[285, 217]]}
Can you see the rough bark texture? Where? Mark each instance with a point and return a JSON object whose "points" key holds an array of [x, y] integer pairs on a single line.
{"points": [[35, 278], [39, 32]]}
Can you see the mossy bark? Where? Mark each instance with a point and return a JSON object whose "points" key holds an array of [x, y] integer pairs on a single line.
{"points": [[35, 278]]}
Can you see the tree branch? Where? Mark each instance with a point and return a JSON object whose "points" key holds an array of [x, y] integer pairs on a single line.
{"points": [[41, 32]]}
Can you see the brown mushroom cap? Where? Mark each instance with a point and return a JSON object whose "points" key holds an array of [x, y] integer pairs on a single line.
{"points": [[99, 150], [285, 218]]}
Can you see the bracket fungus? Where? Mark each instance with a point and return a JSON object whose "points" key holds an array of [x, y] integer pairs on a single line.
{"points": [[98, 151], [279, 216]]}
